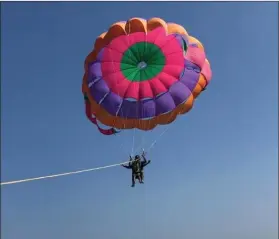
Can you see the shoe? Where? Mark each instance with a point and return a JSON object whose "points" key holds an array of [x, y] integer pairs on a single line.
{"points": [[133, 185]]}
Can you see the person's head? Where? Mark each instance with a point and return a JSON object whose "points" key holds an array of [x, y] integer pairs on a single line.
{"points": [[137, 157]]}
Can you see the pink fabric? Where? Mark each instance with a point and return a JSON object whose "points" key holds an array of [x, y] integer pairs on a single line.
{"points": [[195, 55], [206, 71], [116, 81]]}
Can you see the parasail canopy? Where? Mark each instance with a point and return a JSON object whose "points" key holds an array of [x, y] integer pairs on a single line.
{"points": [[143, 73]]}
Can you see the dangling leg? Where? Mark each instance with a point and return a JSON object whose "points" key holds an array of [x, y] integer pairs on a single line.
{"points": [[139, 177], [142, 177], [133, 180]]}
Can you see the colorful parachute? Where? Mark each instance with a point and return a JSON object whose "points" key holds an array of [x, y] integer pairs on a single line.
{"points": [[143, 73]]}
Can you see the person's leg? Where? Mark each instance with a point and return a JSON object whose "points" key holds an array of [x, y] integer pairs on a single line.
{"points": [[133, 180], [139, 177], [142, 177]]}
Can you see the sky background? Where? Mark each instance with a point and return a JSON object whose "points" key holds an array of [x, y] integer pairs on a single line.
{"points": [[214, 173]]}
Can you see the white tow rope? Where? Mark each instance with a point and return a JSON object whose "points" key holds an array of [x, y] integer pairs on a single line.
{"points": [[61, 174], [80, 171]]}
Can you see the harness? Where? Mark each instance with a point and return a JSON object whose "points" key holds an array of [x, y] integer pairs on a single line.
{"points": [[136, 167]]}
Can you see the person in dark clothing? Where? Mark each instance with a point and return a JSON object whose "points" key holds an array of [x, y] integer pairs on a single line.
{"points": [[143, 163], [134, 164], [137, 166]]}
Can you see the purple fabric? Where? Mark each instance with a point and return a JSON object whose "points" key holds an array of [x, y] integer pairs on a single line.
{"points": [[177, 94], [100, 55], [99, 90], [181, 38], [191, 66], [95, 71], [190, 76], [115, 105]]}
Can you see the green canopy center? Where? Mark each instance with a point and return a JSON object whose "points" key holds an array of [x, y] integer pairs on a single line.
{"points": [[142, 61]]}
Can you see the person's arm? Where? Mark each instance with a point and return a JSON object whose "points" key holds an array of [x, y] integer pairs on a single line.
{"points": [[146, 162], [126, 166], [143, 156], [131, 161]]}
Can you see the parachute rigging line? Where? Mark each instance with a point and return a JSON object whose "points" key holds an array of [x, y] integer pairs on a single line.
{"points": [[152, 145], [155, 141], [133, 146]]}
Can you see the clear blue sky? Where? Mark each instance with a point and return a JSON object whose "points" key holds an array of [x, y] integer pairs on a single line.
{"points": [[214, 173]]}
